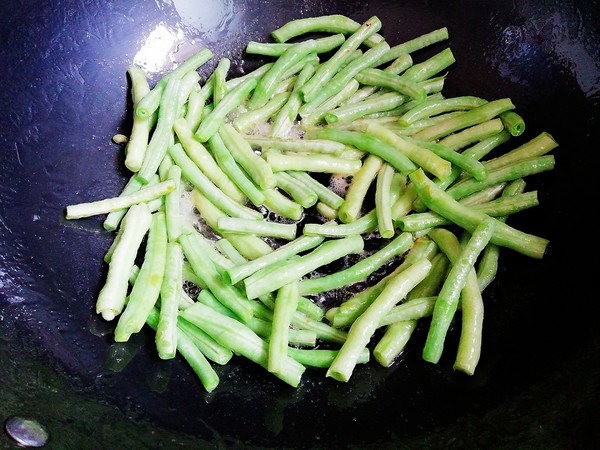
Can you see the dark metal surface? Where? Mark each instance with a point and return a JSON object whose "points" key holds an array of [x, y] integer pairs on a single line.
{"points": [[65, 93]]}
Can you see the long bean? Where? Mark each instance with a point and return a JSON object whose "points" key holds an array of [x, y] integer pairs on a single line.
{"points": [[358, 271], [368, 143], [146, 290], [170, 292], [228, 295], [233, 171], [134, 227], [108, 205], [322, 45], [350, 210], [383, 201], [140, 130], [447, 301], [232, 99], [327, 70], [393, 341], [254, 166], [202, 183], [468, 218], [297, 190], [329, 251], [240, 339], [285, 306], [257, 227], [365, 326], [151, 101], [312, 163], [302, 243]]}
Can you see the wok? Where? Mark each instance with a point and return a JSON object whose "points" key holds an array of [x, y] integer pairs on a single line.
{"points": [[65, 93]]}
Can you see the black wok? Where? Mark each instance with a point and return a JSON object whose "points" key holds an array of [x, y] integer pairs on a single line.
{"points": [[65, 93]]}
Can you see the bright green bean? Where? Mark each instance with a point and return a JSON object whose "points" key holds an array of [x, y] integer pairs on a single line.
{"points": [[146, 290], [170, 292], [383, 206], [285, 306], [365, 326], [350, 210]]}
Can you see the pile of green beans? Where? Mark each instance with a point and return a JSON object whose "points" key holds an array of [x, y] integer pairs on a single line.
{"points": [[254, 161]]}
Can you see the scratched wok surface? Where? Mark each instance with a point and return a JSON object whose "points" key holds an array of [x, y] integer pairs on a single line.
{"points": [[65, 93]]}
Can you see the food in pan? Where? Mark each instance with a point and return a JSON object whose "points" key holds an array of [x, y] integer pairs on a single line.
{"points": [[236, 209]]}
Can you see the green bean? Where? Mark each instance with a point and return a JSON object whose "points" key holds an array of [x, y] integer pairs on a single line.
{"points": [[297, 190], [325, 195], [383, 206], [393, 341], [468, 218], [312, 163], [413, 309], [318, 114], [324, 331], [364, 141], [190, 276], [421, 124], [233, 171], [219, 80], [151, 101], [297, 145], [488, 263], [365, 326], [344, 76], [240, 339], [257, 227], [229, 250], [335, 23], [160, 140], [113, 218], [207, 345], [108, 205], [134, 227], [365, 224], [146, 290], [205, 269], [402, 62], [380, 78], [425, 40], [326, 211], [302, 243], [384, 102], [447, 302], [281, 205], [421, 156], [195, 108], [322, 45], [187, 346], [285, 306], [513, 122], [359, 271], [329, 251], [205, 161], [172, 208], [485, 195], [538, 146], [434, 107], [327, 70], [205, 186], [429, 67], [350, 210], [512, 171], [469, 165], [353, 307], [495, 208], [264, 328], [321, 358], [249, 119], [472, 117], [476, 133], [140, 130], [250, 247], [269, 81], [170, 292], [233, 98], [284, 120], [256, 167], [475, 152]]}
